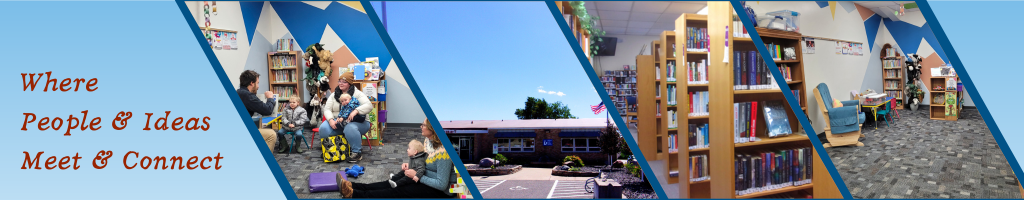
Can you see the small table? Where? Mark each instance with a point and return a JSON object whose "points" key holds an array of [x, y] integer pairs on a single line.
{"points": [[874, 109]]}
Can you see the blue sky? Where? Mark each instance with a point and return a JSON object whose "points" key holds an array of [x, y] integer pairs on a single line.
{"points": [[481, 60]]}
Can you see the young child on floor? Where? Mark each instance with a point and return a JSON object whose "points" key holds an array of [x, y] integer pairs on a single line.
{"points": [[417, 162], [348, 108], [293, 118]]}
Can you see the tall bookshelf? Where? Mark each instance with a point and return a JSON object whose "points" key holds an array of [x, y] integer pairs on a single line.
{"points": [[377, 126], [285, 74], [620, 85], [892, 74], [723, 148], [574, 22]]}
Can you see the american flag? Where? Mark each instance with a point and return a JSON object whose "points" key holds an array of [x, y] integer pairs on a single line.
{"points": [[598, 108]]}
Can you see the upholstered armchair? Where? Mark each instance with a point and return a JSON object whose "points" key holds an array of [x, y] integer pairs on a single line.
{"points": [[842, 124]]}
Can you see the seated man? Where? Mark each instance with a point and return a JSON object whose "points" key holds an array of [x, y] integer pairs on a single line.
{"points": [[250, 83]]}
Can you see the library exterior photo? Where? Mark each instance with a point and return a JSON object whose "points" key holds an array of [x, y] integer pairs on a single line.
{"points": [[534, 141]]}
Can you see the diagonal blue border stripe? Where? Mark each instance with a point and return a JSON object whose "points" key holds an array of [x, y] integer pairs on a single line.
{"points": [[604, 97], [947, 47], [242, 113], [811, 134], [419, 96]]}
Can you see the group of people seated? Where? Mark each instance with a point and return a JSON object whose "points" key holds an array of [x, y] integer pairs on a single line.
{"points": [[429, 173]]}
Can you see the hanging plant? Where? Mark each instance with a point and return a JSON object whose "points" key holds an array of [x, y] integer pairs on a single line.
{"points": [[588, 24]]}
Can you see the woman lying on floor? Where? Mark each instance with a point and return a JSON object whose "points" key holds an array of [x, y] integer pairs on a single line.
{"points": [[440, 174]]}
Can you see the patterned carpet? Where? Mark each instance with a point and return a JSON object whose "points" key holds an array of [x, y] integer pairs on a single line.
{"points": [[917, 157], [379, 162]]}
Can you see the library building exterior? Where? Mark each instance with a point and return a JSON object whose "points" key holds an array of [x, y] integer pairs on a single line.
{"points": [[536, 142]]}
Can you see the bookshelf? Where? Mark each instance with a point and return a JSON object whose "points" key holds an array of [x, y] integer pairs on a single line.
{"points": [[284, 75], [938, 91], [721, 154], [621, 84], [582, 35], [373, 137], [892, 74]]}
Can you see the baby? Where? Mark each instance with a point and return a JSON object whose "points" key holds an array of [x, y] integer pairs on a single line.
{"points": [[417, 161], [348, 108]]}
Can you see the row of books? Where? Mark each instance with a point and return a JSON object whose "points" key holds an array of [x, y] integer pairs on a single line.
{"points": [[620, 86], [892, 64], [738, 29], [620, 73], [673, 143], [768, 170], [744, 122], [896, 94], [750, 72], [670, 70], [697, 71], [672, 101], [799, 194], [787, 72], [892, 73], [673, 119], [283, 61], [284, 75], [799, 99], [890, 52], [892, 85], [612, 79], [745, 116], [285, 44], [621, 92], [699, 103], [699, 168], [779, 53], [699, 135], [284, 92], [697, 39]]}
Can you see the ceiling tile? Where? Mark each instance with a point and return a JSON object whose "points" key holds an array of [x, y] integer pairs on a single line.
{"points": [[655, 31], [685, 7], [668, 17], [639, 24], [614, 23], [615, 5], [637, 31], [666, 26], [613, 15], [642, 16], [650, 6], [614, 30], [593, 12], [590, 5]]}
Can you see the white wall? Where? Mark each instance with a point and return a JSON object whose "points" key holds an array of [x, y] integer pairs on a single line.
{"points": [[626, 50], [229, 17], [402, 104]]}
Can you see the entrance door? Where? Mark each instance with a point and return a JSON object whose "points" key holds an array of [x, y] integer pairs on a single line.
{"points": [[464, 146]]}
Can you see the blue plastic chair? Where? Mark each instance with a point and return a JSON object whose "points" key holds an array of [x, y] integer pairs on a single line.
{"points": [[302, 139], [885, 113]]}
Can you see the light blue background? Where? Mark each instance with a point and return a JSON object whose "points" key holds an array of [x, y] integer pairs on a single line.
{"points": [[982, 33], [147, 60]]}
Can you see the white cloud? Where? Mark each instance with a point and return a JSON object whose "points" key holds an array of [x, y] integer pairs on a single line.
{"points": [[551, 92], [541, 90], [560, 94]]}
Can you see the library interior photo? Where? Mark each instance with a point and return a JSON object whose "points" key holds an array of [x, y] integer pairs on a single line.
{"points": [[879, 92], [320, 61], [663, 65]]}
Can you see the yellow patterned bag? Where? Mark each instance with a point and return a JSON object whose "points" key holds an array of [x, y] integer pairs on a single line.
{"points": [[335, 148]]}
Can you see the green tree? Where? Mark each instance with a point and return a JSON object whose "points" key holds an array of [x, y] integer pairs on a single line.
{"points": [[537, 108], [609, 142]]}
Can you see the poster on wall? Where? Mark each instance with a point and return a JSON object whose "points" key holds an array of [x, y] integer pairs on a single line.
{"points": [[860, 49], [808, 45], [839, 48]]}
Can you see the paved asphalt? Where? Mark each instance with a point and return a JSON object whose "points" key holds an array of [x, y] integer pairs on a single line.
{"points": [[532, 189]]}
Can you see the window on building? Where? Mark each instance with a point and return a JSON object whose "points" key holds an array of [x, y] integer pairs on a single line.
{"points": [[580, 145], [515, 144]]}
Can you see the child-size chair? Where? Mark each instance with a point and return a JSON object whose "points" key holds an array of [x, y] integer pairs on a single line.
{"points": [[885, 113], [895, 113], [277, 122]]}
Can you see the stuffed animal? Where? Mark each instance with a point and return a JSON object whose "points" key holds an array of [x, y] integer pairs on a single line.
{"points": [[913, 68], [354, 171]]}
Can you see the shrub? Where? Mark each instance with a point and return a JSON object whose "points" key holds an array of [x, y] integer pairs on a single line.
{"points": [[576, 161], [502, 160], [574, 169], [633, 169]]}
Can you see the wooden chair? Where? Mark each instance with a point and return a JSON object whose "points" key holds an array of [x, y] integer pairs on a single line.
{"points": [[842, 139]]}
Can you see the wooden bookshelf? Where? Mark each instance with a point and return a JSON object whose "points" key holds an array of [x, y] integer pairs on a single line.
{"points": [[285, 75], [723, 149], [893, 72], [373, 137], [937, 109], [581, 34], [647, 107]]}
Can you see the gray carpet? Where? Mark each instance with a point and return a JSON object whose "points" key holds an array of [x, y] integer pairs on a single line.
{"points": [[917, 157], [379, 162]]}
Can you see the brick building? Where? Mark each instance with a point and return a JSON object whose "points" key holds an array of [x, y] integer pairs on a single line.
{"points": [[540, 142]]}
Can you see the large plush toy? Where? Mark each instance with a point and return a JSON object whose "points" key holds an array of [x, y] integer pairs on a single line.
{"points": [[913, 68], [318, 67], [354, 171]]}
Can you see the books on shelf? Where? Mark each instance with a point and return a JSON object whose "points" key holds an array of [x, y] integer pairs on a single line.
{"points": [[776, 119], [657, 73], [285, 44], [779, 53], [698, 136], [745, 122], [799, 99], [697, 72], [699, 168], [767, 170], [671, 71], [698, 103], [284, 92], [697, 39], [620, 84], [283, 61], [890, 52], [283, 76], [896, 94], [892, 64], [673, 119], [892, 85], [893, 73], [739, 30], [673, 143], [750, 72], [787, 72], [671, 95]]}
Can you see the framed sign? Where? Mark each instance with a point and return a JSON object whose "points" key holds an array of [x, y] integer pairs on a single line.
{"points": [[549, 142]]}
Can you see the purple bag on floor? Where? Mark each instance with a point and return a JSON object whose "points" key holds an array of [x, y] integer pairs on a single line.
{"points": [[324, 182]]}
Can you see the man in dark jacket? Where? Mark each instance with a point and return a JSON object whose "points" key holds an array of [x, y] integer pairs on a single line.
{"points": [[250, 83]]}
